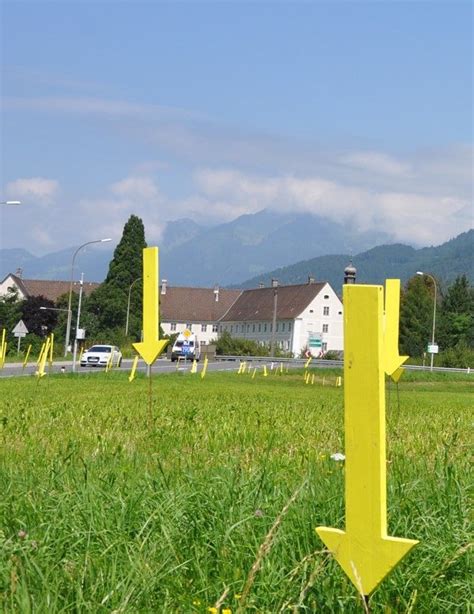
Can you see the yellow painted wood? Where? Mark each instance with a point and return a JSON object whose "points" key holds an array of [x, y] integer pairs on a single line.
{"points": [[3, 349], [364, 550], [204, 368], [306, 364], [151, 346], [194, 367], [51, 349], [27, 355], [265, 372], [391, 357], [131, 377], [41, 372]]}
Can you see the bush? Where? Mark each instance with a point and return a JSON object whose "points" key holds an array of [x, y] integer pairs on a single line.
{"points": [[461, 356]]}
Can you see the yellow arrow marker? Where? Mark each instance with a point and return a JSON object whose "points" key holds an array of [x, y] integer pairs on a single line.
{"points": [[2, 349], [151, 346], [131, 377], [265, 372], [254, 373], [41, 353], [391, 358], [364, 550], [194, 367], [307, 362], [312, 379], [204, 368], [4, 354], [44, 355], [25, 362]]}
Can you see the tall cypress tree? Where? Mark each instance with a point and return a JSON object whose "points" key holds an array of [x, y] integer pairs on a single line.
{"points": [[457, 314], [107, 306]]}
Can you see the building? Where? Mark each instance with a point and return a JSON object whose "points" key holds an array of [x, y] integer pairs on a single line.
{"points": [[196, 309], [308, 316], [51, 290]]}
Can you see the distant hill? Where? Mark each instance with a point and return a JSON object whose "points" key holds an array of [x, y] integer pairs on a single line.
{"points": [[446, 262]]}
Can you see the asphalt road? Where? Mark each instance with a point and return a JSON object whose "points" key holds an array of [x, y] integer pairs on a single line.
{"points": [[161, 366]]}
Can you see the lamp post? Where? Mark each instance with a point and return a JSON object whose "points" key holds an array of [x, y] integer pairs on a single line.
{"points": [[128, 303], [69, 318], [434, 316], [275, 302], [77, 324]]}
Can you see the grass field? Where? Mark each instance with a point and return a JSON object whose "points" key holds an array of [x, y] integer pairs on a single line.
{"points": [[107, 509]]}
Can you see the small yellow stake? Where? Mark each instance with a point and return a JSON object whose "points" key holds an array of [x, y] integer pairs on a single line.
{"points": [[307, 362], [41, 353], [25, 362], [254, 373], [194, 367], [80, 354], [131, 377], [109, 364], [204, 368], [364, 550], [42, 363], [281, 368], [151, 346], [265, 372], [2, 349], [312, 379], [4, 353]]}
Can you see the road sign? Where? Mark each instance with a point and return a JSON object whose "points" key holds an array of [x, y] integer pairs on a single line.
{"points": [[20, 329], [433, 348], [315, 340]]}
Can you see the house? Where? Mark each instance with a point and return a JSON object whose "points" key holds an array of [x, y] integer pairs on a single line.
{"points": [[51, 290], [308, 316], [196, 309]]}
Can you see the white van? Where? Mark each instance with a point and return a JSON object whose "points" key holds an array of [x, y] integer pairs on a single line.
{"points": [[186, 346]]}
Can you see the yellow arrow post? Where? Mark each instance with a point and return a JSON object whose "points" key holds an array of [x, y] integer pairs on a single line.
{"points": [[131, 377], [151, 346], [364, 550]]}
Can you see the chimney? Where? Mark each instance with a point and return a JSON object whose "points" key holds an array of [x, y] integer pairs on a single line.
{"points": [[261, 285], [19, 272], [164, 283], [216, 293], [311, 279]]}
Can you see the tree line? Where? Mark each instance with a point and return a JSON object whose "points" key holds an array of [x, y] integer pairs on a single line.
{"points": [[104, 311]]}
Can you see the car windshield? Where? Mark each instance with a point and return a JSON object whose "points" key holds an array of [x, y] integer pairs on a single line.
{"points": [[100, 348]]}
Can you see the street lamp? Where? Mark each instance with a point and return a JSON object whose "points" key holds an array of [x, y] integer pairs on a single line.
{"points": [[10, 202], [275, 301], [77, 324], [434, 316], [68, 327], [128, 303]]}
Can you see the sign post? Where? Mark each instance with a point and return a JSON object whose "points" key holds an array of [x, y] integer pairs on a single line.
{"points": [[20, 331], [364, 550]]}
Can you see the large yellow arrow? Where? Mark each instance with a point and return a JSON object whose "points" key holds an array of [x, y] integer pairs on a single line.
{"points": [[392, 359], [364, 550], [151, 346]]}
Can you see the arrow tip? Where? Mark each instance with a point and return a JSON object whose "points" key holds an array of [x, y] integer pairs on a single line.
{"points": [[150, 350], [366, 563]]}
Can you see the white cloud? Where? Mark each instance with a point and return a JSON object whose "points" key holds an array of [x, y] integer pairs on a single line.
{"points": [[376, 162], [36, 189], [406, 216]]}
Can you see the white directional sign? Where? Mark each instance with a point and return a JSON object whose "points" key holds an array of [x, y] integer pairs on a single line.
{"points": [[20, 329]]}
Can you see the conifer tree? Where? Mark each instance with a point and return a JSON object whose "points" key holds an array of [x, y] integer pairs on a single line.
{"points": [[457, 315], [107, 306], [416, 316]]}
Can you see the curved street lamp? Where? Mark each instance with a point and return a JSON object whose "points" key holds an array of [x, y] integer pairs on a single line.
{"points": [[68, 326], [434, 314]]}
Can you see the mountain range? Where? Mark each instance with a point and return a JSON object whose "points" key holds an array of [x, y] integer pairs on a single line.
{"points": [[241, 252], [445, 262]]}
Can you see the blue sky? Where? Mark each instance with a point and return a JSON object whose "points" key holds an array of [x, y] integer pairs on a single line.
{"points": [[350, 110]]}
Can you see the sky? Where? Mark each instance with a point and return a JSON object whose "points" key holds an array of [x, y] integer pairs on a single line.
{"points": [[359, 112]]}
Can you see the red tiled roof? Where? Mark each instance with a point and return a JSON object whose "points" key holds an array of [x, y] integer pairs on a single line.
{"points": [[195, 304], [52, 290], [257, 304]]}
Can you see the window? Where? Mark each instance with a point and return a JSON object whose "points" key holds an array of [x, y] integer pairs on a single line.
{"points": [[277, 326], [231, 328], [311, 311], [325, 328], [265, 327], [324, 347], [282, 327], [243, 327], [248, 327], [325, 311], [259, 328], [203, 328], [253, 328], [326, 296], [339, 313], [173, 326], [215, 328], [289, 326], [189, 326]]}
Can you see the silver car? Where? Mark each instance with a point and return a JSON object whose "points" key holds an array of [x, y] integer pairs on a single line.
{"points": [[101, 355]]}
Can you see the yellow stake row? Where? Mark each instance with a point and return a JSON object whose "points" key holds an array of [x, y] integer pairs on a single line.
{"points": [[3, 349]]}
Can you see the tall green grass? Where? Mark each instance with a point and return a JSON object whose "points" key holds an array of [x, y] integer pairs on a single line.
{"points": [[106, 509]]}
